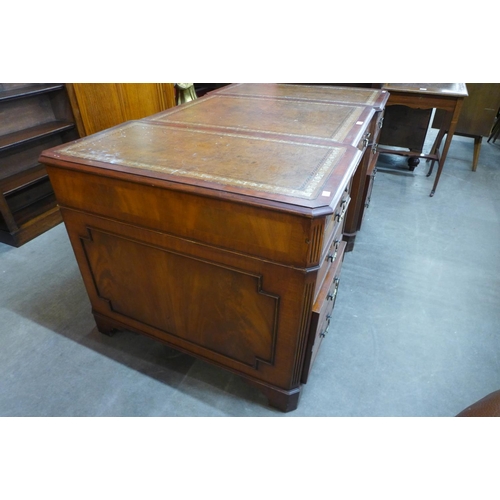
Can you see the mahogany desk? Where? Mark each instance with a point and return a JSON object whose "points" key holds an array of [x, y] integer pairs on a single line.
{"points": [[445, 96], [218, 231]]}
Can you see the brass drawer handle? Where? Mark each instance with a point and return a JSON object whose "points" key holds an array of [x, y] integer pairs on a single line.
{"points": [[331, 257], [323, 334], [366, 139], [343, 208], [333, 294], [381, 122], [374, 148]]}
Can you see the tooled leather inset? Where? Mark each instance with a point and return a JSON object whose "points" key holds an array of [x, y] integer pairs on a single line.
{"points": [[256, 114], [325, 93], [227, 159]]}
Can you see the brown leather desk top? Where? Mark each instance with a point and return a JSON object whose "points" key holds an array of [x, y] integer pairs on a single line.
{"points": [[295, 119], [321, 93], [297, 173], [299, 152]]}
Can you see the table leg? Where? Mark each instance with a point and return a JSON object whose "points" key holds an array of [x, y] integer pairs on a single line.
{"points": [[435, 148], [437, 141], [430, 169], [449, 137], [477, 149]]}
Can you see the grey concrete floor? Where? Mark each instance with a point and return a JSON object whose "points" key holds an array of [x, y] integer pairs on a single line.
{"points": [[416, 320]]}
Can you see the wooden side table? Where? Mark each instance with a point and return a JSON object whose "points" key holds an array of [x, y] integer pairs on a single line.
{"points": [[477, 117], [444, 96]]}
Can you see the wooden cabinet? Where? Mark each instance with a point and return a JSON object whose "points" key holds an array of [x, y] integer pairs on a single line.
{"points": [[33, 117], [217, 226], [479, 110], [98, 106]]}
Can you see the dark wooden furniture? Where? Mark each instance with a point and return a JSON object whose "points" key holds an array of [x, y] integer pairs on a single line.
{"points": [[407, 128], [445, 96], [98, 106], [33, 117], [202, 88], [489, 406], [218, 233], [477, 117], [495, 131], [347, 100]]}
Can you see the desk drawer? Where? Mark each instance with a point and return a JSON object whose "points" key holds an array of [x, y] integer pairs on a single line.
{"points": [[336, 220], [322, 312], [370, 178], [376, 126], [329, 258]]}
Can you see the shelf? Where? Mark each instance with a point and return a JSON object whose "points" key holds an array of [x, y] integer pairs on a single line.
{"points": [[18, 164], [29, 90], [21, 179], [28, 213], [29, 194], [31, 134], [34, 117], [32, 221]]}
